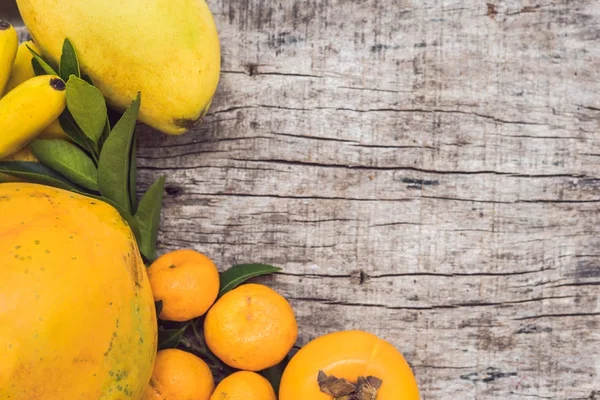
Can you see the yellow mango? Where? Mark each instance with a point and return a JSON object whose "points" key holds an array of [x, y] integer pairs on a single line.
{"points": [[167, 51], [77, 316]]}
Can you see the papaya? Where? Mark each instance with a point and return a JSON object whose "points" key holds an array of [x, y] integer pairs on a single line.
{"points": [[168, 51], [77, 317]]}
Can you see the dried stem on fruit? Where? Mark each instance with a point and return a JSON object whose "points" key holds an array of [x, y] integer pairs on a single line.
{"points": [[364, 389]]}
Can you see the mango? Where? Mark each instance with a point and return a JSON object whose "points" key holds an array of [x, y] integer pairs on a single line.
{"points": [[77, 316], [168, 51]]}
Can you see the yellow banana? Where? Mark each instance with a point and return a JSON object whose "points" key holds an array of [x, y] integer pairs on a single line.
{"points": [[9, 41], [29, 109], [22, 69], [23, 155], [54, 131]]}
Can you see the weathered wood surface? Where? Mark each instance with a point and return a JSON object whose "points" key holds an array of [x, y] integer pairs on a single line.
{"points": [[427, 170]]}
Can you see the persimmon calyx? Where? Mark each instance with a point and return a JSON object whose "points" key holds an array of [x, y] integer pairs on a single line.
{"points": [[364, 389]]}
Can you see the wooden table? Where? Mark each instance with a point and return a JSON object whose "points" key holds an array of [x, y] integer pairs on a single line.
{"points": [[426, 170]]}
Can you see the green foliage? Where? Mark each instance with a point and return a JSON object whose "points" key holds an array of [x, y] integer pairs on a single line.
{"points": [[69, 64], [68, 160], [88, 108], [35, 173], [68, 124], [148, 217], [239, 274], [275, 373], [100, 161], [41, 66], [113, 167], [169, 338]]}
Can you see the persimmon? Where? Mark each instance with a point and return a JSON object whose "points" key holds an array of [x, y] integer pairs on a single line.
{"points": [[348, 355]]}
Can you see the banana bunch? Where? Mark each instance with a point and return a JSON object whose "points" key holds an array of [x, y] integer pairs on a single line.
{"points": [[29, 105]]}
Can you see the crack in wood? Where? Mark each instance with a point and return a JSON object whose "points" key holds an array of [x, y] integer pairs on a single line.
{"points": [[566, 315], [377, 110]]}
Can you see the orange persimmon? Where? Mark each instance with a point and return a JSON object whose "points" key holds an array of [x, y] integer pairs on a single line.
{"points": [[348, 355]]}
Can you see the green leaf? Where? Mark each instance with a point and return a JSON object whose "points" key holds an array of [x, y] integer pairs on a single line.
{"points": [[76, 134], [148, 217], [68, 160], [159, 306], [35, 173], [113, 117], [88, 79], [87, 106], [37, 68], [274, 374], [113, 167], [239, 274], [133, 174], [69, 65], [170, 338], [105, 133], [43, 63]]}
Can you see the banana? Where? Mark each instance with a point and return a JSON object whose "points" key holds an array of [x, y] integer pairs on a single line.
{"points": [[54, 131], [22, 69], [23, 155], [9, 41], [29, 109]]}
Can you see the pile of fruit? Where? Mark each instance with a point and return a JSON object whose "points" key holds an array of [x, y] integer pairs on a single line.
{"points": [[245, 332], [87, 309]]}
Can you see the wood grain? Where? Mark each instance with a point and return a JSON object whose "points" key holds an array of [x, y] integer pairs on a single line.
{"points": [[425, 170]]}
